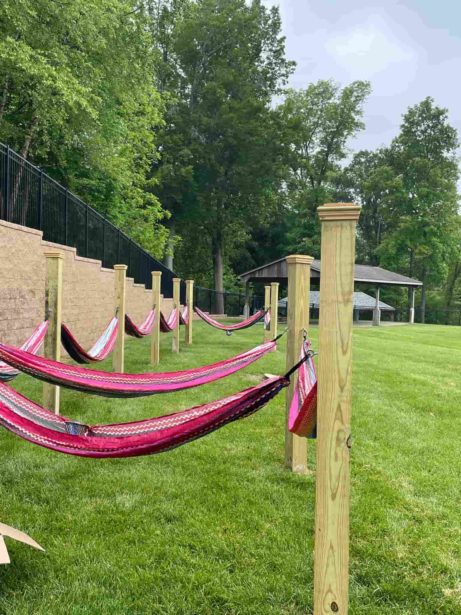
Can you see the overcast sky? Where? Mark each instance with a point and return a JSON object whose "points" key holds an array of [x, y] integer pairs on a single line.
{"points": [[407, 49]]}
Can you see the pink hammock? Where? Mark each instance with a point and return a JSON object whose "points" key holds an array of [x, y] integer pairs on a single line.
{"points": [[36, 424], [267, 320], [184, 316], [100, 349], [244, 324], [170, 323], [127, 385], [145, 328], [302, 417], [31, 345]]}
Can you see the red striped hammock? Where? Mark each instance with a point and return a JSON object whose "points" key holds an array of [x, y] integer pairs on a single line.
{"points": [[127, 385], [302, 416], [267, 319], [100, 349], [244, 324], [145, 328], [170, 323], [32, 345], [36, 424], [184, 316]]}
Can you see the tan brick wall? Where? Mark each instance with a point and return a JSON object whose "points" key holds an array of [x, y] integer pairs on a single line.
{"points": [[88, 289]]}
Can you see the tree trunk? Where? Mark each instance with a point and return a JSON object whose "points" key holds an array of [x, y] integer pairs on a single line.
{"points": [[17, 184], [452, 279], [218, 274], [168, 261]]}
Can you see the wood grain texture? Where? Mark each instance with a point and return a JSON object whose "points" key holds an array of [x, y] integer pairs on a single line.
{"points": [[118, 357], [298, 270], [273, 330], [190, 310], [157, 306], [331, 558], [53, 313], [267, 305], [176, 306]]}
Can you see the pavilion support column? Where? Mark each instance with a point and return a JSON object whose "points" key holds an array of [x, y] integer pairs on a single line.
{"points": [[331, 556], [246, 307], [157, 306], [377, 311], [176, 306], [53, 314], [273, 327], [299, 277], [267, 306], [118, 357], [411, 316], [190, 310]]}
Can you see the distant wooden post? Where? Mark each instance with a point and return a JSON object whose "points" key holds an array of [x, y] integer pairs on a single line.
{"points": [[411, 318], [246, 307], [53, 314], [331, 557], [118, 359], [176, 306], [190, 310], [267, 306], [273, 330], [157, 306], [377, 310], [299, 279]]}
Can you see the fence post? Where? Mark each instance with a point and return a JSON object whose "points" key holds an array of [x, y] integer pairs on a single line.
{"points": [[53, 311], [118, 359], [7, 183], [331, 556], [87, 231], [157, 306], [273, 328], [299, 279], [40, 201], [176, 306], [190, 310], [267, 307], [66, 217]]}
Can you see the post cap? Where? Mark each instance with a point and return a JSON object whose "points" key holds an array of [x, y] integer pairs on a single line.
{"points": [[339, 211], [176, 280], [275, 284], [53, 254], [189, 281], [299, 259], [120, 267], [156, 273]]}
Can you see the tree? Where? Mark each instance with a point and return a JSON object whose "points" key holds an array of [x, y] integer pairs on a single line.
{"points": [[221, 130], [318, 123]]}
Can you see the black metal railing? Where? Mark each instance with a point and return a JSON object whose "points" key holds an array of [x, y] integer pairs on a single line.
{"points": [[30, 197]]}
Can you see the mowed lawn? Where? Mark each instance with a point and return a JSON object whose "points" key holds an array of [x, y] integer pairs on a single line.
{"points": [[219, 526]]}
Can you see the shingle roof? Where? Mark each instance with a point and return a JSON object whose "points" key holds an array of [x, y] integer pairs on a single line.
{"points": [[362, 301]]}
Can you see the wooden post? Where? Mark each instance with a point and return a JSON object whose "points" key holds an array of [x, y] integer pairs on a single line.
{"points": [[377, 310], [273, 330], [299, 280], [53, 313], [190, 310], [118, 359], [411, 318], [267, 306], [331, 557], [246, 307], [176, 306], [157, 306]]}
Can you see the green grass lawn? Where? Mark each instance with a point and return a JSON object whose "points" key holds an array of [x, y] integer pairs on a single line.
{"points": [[219, 526]]}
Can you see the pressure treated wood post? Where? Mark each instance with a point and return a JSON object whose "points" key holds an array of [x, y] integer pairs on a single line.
{"points": [[53, 311], [299, 279], [157, 306], [176, 306], [411, 318], [273, 329], [331, 557], [190, 310], [267, 306], [118, 360]]}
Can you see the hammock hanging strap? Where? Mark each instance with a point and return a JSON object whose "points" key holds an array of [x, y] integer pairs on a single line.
{"points": [[244, 324], [31, 345], [302, 416], [100, 349]]}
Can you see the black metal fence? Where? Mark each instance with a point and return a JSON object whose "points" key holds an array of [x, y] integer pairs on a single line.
{"points": [[207, 299], [29, 197]]}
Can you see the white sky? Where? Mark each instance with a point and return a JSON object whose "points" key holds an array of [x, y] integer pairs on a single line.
{"points": [[407, 49]]}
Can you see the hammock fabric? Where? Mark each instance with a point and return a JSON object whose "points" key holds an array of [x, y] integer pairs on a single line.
{"points": [[170, 323], [184, 316], [244, 324], [36, 424], [302, 417], [267, 320], [31, 345], [145, 328], [100, 349], [127, 385]]}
